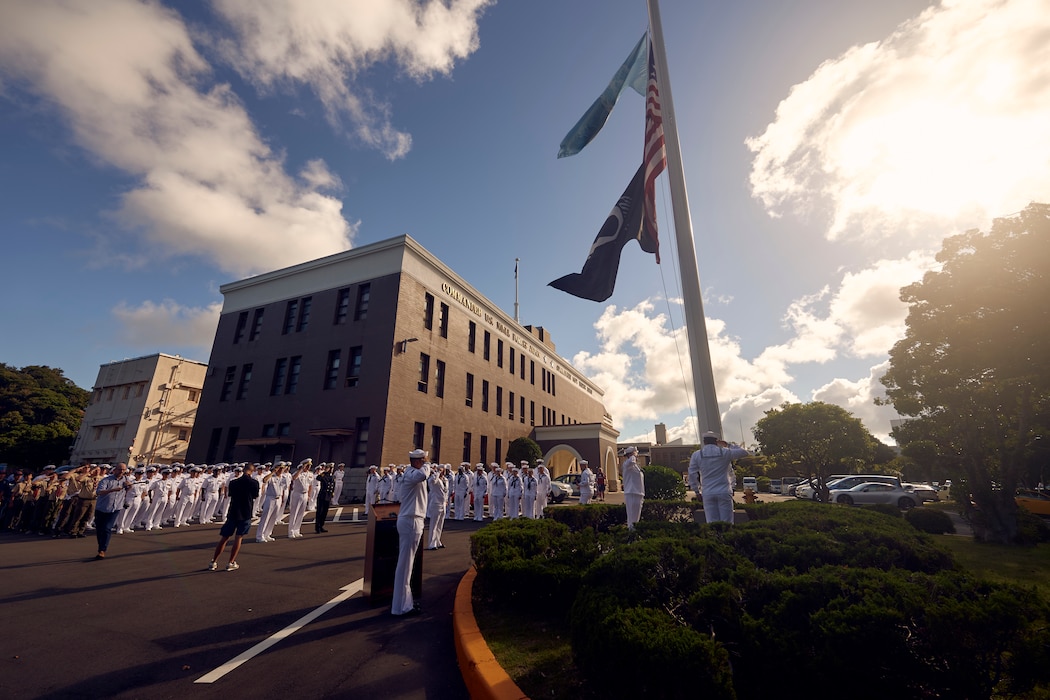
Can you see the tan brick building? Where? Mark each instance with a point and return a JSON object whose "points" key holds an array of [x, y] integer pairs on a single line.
{"points": [[364, 355]]}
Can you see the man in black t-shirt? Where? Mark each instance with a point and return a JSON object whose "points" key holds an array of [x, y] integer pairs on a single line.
{"points": [[243, 491]]}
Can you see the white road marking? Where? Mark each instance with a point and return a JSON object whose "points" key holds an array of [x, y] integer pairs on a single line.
{"points": [[348, 591]]}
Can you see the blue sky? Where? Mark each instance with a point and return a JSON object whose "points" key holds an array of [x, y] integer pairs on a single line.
{"points": [[155, 151]]}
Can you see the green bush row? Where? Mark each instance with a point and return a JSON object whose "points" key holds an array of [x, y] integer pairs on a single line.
{"points": [[847, 600]]}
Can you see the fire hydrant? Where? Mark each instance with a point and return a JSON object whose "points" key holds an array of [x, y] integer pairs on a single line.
{"points": [[749, 495]]}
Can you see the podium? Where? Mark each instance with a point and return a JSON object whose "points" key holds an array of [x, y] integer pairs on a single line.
{"points": [[381, 547]]}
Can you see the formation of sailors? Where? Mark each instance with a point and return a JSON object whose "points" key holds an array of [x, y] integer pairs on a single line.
{"points": [[61, 501], [476, 491]]}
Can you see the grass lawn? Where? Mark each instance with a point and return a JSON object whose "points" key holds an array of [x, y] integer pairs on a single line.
{"points": [[1026, 566]]}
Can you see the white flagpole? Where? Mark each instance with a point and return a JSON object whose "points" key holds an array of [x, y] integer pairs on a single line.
{"points": [[707, 412], [516, 290]]}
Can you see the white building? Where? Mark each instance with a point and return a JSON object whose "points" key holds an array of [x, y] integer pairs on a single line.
{"points": [[141, 410]]}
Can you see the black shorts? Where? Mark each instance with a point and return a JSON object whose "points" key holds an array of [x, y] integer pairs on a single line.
{"points": [[240, 527]]}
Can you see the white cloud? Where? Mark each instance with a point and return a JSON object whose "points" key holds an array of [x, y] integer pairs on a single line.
{"points": [[858, 397], [327, 43], [127, 78], [168, 324], [941, 125], [645, 370]]}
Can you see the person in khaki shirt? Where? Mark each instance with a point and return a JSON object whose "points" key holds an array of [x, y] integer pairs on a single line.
{"points": [[84, 508]]}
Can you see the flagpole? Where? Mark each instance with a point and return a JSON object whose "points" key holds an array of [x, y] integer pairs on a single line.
{"points": [[708, 415], [516, 290]]}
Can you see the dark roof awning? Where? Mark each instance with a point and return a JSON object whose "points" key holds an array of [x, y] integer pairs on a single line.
{"points": [[264, 441], [332, 432]]}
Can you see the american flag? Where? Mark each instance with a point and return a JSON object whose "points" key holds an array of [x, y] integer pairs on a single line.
{"points": [[654, 158]]}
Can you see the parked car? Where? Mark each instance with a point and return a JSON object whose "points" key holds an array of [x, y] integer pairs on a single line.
{"points": [[571, 480], [776, 486], [923, 492], [1037, 502], [560, 491], [842, 482], [874, 492]]}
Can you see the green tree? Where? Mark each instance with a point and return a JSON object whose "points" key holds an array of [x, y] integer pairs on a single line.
{"points": [[973, 369], [523, 448], [40, 413], [663, 483], [819, 439]]}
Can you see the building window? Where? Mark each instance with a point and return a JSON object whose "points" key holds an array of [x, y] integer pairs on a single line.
{"points": [[424, 372], [280, 374], [360, 457], [257, 320], [510, 406], [512, 360], [304, 314], [472, 336], [246, 378], [466, 447], [109, 394], [428, 311], [485, 395], [532, 372], [284, 429], [242, 324], [522, 366], [213, 445], [543, 379], [353, 372], [127, 391], [418, 430], [331, 371], [142, 388], [499, 353], [290, 312], [96, 396], [294, 366], [486, 348], [439, 379], [342, 306], [435, 443], [484, 449], [499, 401], [498, 457], [114, 432], [193, 396], [554, 385], [443, 320], [470, 389], [227, 383], [98, 433], [521, 412], [532, 413], [269, 430], [183, 434], [364, 296], [231, 442]]}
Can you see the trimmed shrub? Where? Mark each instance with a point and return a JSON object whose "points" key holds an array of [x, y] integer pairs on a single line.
{"points": [[884, 508], [935, 522], [668, 511], [598, 516], [663, 484]]}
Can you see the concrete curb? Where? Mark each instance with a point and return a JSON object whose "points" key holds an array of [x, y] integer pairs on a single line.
{"points": [[484, 677]]}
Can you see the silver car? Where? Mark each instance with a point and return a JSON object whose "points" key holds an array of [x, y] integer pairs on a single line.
{"points": [[874, 492]]}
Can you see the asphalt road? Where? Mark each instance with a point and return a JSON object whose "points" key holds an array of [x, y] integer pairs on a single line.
{"points": [[150, 622]]}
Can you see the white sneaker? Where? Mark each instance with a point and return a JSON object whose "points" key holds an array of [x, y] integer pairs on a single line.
{"points": [[232, 566], [213, 566]]}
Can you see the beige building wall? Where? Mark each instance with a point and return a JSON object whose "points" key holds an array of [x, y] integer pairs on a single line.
{"points": [[141, 411]]}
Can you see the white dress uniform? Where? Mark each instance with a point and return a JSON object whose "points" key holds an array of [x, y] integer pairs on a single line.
{"points": [[409, 531], [297, 499], [528, 496], [480, 489], [633, 487], [338, 474], [371, 488], [133, 500], [461, 487], [543, 489], [187, 498], [514, 491], [498, 494], [437, 499], [586, 484], [386, 487], [273, 505], [212, 487]]}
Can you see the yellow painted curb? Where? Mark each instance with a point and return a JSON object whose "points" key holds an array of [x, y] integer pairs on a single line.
{"points": [[484, 677]]}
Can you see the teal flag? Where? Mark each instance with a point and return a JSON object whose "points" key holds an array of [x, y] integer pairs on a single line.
{"points": [[633, 72]]}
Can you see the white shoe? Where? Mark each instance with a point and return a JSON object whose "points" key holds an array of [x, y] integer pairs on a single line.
{"points": [[232, 566], [213, 566], [262, 540]]}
